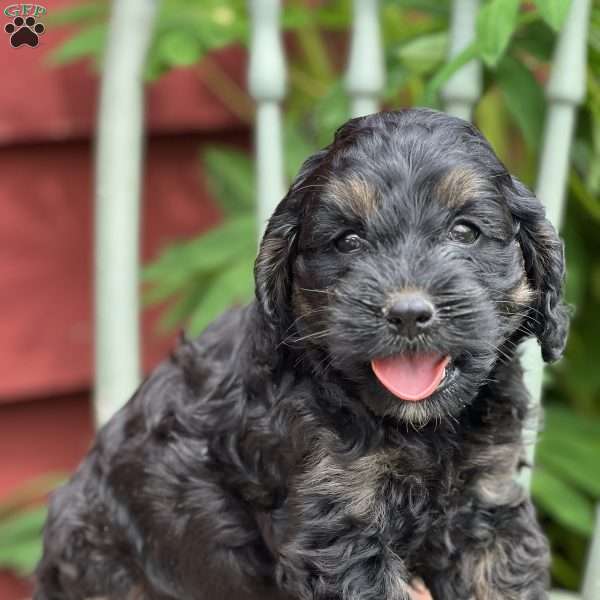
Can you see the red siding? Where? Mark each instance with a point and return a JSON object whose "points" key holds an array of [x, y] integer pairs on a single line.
{"points": [[46, 126], [46, 119]]}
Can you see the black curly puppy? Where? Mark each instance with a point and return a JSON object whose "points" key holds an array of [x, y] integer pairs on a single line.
{"points": [[359, 423]]}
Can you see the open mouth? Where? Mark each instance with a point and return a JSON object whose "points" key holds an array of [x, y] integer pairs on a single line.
{"points": [[412, 377]]}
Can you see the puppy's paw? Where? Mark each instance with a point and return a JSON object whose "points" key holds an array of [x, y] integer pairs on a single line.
{"points": [[418, 591]]}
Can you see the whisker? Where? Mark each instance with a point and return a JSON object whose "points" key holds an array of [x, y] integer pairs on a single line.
{"points": [[306, 187], [317, 291], [305, 314], [498, 350], [290, 340]]}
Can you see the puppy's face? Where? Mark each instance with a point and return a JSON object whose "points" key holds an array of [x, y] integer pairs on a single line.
{"points": [[407, 262], [409, 283]]}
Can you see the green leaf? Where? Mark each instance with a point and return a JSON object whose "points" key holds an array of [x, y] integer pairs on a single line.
{"points": [[89, 42], [564, 572], [183, 264], [179, 48], [423, 53], [586, 196], [536, 39], [23, 525], [554, 12], [234, 285], [427, 6], [580, 378], [398, 26], [492, 119], [560, 419], [186, 31], [154, 67], [496, 22], [446, 71], [333, 15], [178, 312], [580, 445], [562, 502], [230, 178], [573, 461], [297, 147], [195, 254], [473, 51], [331, 111], [221, 24], [397, 77], [524, 98], [577, 265], [297, 17], [21, 557]]}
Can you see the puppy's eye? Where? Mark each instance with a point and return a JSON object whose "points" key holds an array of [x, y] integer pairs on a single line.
{"points": [[349, 243], [464, 233]]}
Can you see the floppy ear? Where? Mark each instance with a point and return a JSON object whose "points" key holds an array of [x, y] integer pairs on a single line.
{"points": [[543, 253], [273, 266], [272, 269]]}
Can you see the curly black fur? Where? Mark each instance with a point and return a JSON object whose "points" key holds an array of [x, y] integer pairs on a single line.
{"points": [[265, 461]]}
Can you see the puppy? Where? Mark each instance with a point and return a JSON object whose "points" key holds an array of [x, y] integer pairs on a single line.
{"points": [[359, 423]]}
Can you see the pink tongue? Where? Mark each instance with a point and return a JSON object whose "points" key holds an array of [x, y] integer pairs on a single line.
{"points": [[411, 377]]}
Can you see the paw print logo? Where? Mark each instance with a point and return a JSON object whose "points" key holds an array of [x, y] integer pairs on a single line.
{"points": [[24, 31]]}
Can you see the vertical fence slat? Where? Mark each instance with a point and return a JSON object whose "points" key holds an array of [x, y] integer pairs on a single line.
{"points": [[464, 88], [117, 208], [591, 582], [267, 83], [564, 92], [365, 76]]}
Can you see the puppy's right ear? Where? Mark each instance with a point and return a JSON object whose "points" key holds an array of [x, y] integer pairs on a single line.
{"points": [[273, 266], [272, 269]]}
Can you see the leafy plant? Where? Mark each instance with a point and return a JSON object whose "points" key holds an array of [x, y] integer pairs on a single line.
{"points": [[214, 270], [22, 517], [514, 40]]}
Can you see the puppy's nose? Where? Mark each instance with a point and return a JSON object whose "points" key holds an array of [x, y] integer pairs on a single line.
{"points": [[411, 312]]}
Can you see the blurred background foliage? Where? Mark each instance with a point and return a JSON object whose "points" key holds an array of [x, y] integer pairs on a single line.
{"points": [[200, 277], [22, 516]]}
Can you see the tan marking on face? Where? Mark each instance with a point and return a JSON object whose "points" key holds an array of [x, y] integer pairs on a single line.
{"points": [[458, 186], [353, 193]]}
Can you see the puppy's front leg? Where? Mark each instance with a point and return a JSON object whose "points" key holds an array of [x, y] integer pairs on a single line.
{"points": [[509, 561], [325, 564], [337, 547]]}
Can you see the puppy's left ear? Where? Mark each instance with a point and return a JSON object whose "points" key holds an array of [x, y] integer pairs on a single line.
{"points": [[543, 253]]}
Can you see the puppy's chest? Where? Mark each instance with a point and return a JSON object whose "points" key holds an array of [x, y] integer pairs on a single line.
{"points": [[382, 487], [402, 490]]}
